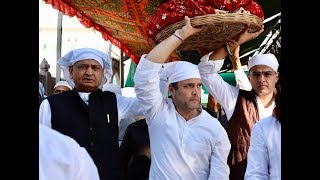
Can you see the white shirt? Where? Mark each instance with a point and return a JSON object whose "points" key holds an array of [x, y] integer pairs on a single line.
{"points": [[196, 149], [264, 156], [226, 94], [61, 158], [128, 107]]}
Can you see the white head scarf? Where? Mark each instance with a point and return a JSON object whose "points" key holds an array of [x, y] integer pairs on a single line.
{"points": [[62, 83], [76, 55], [264, 59], [176, 71]]}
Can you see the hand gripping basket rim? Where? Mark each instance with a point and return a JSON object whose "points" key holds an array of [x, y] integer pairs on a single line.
{"points": [[219, 28]]}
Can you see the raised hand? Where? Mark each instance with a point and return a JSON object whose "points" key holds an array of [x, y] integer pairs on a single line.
{"points": [[234, 48], [245, 35], [187, 30]]}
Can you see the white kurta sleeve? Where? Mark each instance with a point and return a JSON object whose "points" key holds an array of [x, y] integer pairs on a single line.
{"points": [[128, 107], [225, 94], [219, 169], [45, 113], [242, 80], [147, 87], [258, 159]]}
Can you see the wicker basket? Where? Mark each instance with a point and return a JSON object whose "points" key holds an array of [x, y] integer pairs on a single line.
{"points": [[219, 28]]}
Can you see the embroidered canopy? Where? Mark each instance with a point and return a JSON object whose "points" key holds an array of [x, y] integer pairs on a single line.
{"points": [[124, 22]]}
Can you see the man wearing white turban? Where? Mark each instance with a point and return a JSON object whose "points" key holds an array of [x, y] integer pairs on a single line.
{"points": [[243, 108], [186, 141], [88, 114]]}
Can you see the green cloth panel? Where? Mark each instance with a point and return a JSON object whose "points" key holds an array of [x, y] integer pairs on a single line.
{"points": [[132, 70]]}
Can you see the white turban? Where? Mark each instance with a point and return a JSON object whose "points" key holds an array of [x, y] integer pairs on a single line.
{"points": [[264, 59], [83, 54], [176, 71], [62, 83]]}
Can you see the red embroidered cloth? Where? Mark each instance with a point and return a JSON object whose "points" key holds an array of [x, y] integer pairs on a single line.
{"points": [[125, 22], [122, 22]]}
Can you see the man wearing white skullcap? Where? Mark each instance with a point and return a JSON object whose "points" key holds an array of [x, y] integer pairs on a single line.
{"points": [[243, 108], [186, 142], [264, 155], [61, 157], [61, 86], [88, 114]]}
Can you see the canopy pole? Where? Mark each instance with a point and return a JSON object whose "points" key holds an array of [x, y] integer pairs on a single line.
{"points": [[121, 64], [59, 43]]}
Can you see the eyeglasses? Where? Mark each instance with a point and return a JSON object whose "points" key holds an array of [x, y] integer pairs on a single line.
{"points": [[266, 74]]}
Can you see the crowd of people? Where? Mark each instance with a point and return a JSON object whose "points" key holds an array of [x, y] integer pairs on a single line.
{"points": [[166, 133]]}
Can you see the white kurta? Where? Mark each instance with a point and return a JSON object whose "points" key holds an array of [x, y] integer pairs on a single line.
{"points": [[128, 107], [264, 156], [61, 158], [181, 150], [226, 94]]}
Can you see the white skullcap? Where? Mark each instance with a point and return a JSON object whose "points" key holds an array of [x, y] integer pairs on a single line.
{"points": [[264, 59], [176, 71], [112, 88], [83, 54], [62, 83], [41, 90], [180, 70]]}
